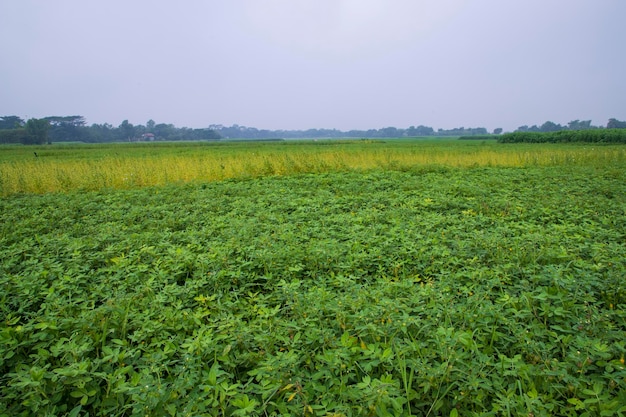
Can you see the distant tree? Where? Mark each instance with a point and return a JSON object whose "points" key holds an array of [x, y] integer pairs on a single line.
{"points": [[101, 133], [203, 134], [550, 127], [36, 132], [579, 125], [389, 132], [615, 124], [497, 131], [66, 120], [67, 128], [18, 135], [525, 128], [462, 131], [165, 131], [150, 125], [11, 122], [139, 131], [127, 130], [422, 130]]}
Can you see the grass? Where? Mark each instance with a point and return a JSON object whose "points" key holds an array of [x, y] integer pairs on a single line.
{"points": [[433, 289], [124, 166]]}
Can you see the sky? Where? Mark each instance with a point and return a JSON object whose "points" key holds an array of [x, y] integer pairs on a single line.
{"points": [[300, 64]]}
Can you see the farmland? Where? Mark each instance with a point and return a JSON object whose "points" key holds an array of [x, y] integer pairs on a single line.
{"points": [[346, 278], [69, 168]]}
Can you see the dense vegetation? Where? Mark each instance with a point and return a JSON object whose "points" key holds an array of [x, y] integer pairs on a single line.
{"points": [[52, 129], [40, 169], [566, 136], [429, 290], [74, 129]]}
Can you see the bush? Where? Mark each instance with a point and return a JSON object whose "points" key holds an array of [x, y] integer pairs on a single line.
{"points": [[566, 136]]}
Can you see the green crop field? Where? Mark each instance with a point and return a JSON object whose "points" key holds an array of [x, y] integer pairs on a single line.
{"points": [[69, 168], [349, 278]]}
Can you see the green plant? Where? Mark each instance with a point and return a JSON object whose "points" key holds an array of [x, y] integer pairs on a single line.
{"points": [[426, 291]]}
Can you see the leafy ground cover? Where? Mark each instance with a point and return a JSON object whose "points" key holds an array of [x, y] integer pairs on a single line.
{"points": [[431, 291]]}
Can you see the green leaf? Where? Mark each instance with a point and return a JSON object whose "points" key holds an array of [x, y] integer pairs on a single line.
{"points": [[75, 411], [77, 394]]}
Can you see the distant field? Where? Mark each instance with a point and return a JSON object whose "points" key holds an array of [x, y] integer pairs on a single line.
{"points": [[124, 166], [344, 278]]}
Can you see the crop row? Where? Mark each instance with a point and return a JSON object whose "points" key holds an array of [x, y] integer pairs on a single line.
{"points": [[483, 291]]}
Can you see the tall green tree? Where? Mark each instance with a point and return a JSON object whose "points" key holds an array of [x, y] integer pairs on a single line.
{"points": [[550, 127], [420, 131], [127, 130], [616, 124], [67, 128], [11, 122], [164, 131], [579, 125], [37, 132]]}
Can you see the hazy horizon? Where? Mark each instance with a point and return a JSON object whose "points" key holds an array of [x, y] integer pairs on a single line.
{"points": [[305, 64]]}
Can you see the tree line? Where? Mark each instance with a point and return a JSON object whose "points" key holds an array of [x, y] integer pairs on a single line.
{"points": [[573, 125], [236, 131], [14, 129]]}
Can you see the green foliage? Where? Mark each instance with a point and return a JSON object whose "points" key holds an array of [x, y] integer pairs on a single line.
{"points": [[11, 122], [434, 291], [67, 128], [36, 132], [479, 137], [616, 124], [566, 136], [17, 135]]}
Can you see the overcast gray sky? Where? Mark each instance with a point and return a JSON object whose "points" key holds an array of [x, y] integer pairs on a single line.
{"points": [[299, 64]]}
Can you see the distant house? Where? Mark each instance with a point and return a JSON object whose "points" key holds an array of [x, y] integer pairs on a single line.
{"points": [[147, 136]]}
